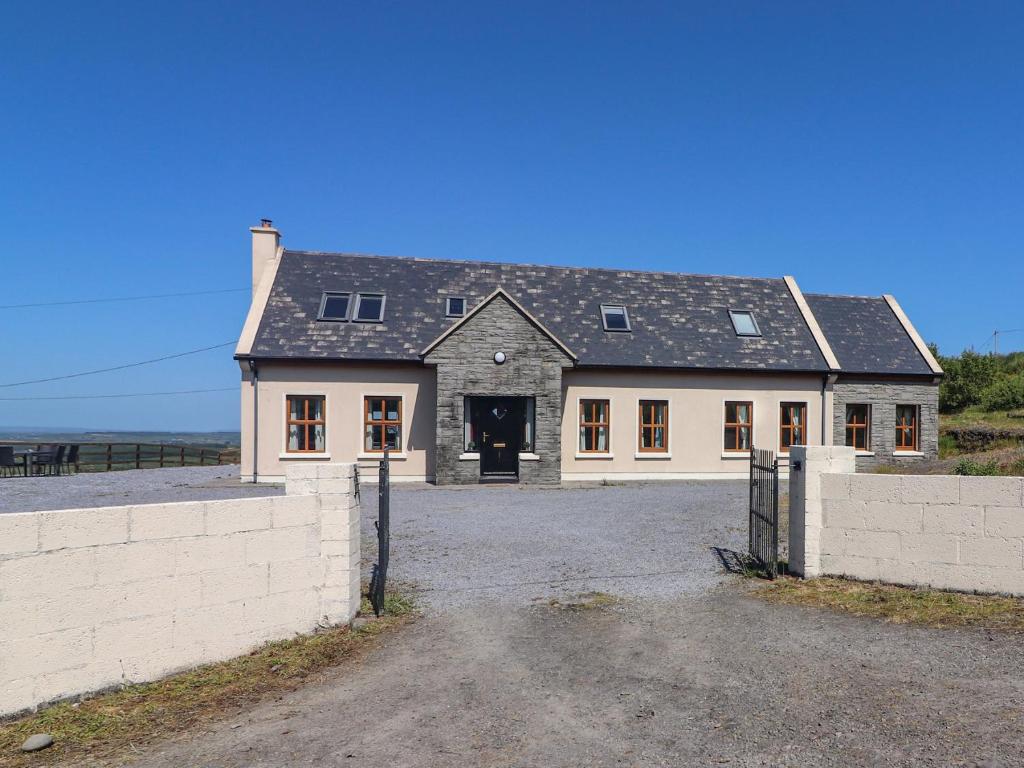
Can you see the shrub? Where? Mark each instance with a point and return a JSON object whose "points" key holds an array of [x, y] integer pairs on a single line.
{"points": [[967, 376], [947, 446], [972, 467], [1004, 395]]}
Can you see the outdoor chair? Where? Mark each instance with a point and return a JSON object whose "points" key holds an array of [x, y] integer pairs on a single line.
{"points": [[49, 463], [9, 464], [71, 458], [41, 458]]}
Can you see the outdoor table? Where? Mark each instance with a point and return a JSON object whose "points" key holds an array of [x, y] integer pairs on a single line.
{"points": [[26, 455]]}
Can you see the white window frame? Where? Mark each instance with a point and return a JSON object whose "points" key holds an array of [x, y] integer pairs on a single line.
{"points": [[359, 301], [625, 315], [448, 306]]}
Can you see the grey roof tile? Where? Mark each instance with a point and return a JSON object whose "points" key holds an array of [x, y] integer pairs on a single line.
{"points": [[865, 335], [679, 321]]}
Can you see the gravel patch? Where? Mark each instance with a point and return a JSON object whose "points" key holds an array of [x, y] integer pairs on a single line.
{"points": [[459, 546], [133, 486]]}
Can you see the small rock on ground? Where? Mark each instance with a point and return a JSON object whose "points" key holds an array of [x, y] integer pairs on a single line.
{"points": [[36, 742]]}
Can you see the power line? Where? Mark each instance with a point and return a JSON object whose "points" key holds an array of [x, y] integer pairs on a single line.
{"points": [[119, 367], [120, 298], [127, 394]]}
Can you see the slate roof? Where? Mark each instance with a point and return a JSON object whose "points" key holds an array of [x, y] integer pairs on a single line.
{"points": [[865, 335], [679, 321]]}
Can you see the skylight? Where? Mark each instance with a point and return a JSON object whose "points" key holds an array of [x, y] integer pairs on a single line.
{"points": [[744, 323], [615, 318], [455, 306], [369, 308], [334, 306]]}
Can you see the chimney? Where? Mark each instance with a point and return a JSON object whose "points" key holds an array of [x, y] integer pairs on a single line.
{"points": [[265, 243]]}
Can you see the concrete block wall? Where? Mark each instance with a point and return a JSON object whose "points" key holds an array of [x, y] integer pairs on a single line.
{"points": [[949, 532], [94, 598]]}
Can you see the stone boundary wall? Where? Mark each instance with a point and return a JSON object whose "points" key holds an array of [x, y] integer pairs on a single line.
{"points": [[950, 532], [94, 598]]}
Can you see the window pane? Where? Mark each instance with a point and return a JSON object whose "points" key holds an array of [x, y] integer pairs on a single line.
{"points": [[602, 439], [295, 408], [787, 414], [293, 437], [730, 413], [785, 438], [369, 307], [336, 307], [392, 410], [745, 438], [394, 434], [376, 412], [318, 438], [661, 413], [659, 437], [798, 436], [615, 318], [743, 414], [585, 439], [373, 437], [730, 439], [743, 323], [316, 408], [797, 415]]}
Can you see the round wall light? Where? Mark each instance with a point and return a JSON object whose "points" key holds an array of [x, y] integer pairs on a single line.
{"points": [[499, 357]]}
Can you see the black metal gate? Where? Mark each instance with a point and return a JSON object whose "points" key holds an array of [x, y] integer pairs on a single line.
{"points": [[764, 511], [379, 575]]}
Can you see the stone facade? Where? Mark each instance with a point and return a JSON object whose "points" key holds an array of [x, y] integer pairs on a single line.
{"points": [[883, 397], [465, 367]]}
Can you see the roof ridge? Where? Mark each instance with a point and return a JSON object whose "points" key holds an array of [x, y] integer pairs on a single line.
{"points": [[524, 264], [842, 296]]}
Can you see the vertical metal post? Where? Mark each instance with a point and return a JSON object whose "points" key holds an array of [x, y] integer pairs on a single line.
{"points": [[378, 581]]}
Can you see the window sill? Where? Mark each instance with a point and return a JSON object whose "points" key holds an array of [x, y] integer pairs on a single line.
{"points": [[652, 455], [737, 454], [595, 455], [865, 453], [907, 453], [319, 456], [469, 456], [528, 456], [379, 456]]}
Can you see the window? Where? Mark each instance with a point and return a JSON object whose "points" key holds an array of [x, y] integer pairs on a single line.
{"points": [[529, 425], [744, 323], [304, 418], [739, 425], [906, 427], [792, 425], [615, 318], [454, 307], [334, 306], [594, 424], [653, 426], [858, 426], [369, 308], [383, 424]]}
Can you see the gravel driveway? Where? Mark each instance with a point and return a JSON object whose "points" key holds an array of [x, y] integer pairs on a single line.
{"points": [[467, 545], [686, 668], [132, 486]]}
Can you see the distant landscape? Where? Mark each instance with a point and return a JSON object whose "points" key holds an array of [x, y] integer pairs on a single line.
{"points": [[69, 435]]}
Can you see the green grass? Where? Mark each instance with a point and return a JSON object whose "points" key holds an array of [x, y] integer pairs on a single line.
{"points": [[111, 724], [899, 605], [975, 416]]}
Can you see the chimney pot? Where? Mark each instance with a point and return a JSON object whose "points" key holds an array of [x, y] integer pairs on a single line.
{"points": [[266, 223]]}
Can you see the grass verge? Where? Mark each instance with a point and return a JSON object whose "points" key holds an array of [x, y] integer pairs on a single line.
{"points": [[113, 725], [900, 605]]}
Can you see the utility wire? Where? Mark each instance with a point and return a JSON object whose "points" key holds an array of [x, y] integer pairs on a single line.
{"points": [[119, 367], [128, 394], [119, 298]]}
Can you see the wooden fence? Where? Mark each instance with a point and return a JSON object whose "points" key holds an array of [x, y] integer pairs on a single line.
{"points": [[107, 457]]}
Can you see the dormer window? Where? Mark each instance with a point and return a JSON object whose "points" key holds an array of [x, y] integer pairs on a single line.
{"points": [[334, 306], [744, 323], [615, 318], [455, 306], [369, 308]]}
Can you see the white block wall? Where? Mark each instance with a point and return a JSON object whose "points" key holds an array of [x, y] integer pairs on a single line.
{"points": [[963, 533], [91, 598]]}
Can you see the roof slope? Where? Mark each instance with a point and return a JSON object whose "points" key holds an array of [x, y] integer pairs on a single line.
{"points": [[679, 321], [865, 335]]}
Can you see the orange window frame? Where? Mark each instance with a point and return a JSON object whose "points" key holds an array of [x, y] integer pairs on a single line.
{"points": [[652, 426], [384, 422], [903, 430], [791, 428], [737, 426], [591, 422], [305, 421], [856, 427]]}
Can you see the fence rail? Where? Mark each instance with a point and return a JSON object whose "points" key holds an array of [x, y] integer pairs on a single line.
{"points": [[108, 457]]}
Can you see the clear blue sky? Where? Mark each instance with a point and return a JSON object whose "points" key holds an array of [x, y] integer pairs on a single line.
{"points": [[863, 148]]}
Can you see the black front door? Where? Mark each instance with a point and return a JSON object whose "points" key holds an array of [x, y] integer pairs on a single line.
{"points": [[500, 430]]}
